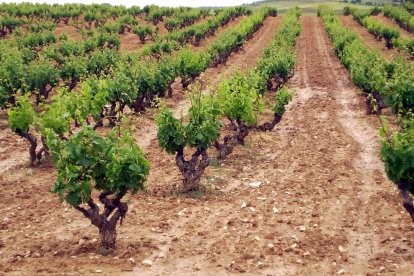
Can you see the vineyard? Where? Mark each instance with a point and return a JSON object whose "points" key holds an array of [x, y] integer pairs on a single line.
{"points": [[197, 141]]}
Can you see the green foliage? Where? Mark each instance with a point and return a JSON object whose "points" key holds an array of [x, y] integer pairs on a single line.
{"points": [[87, 160], [368, 69], [234, 38], [12, 72], [189, 63], [94, 95], [143, 32], [8, 24], [70, 48], [42, 26], [401, 16], [203, 127], [74, 69], [239, 98], [409, 7], [123, 87], [34, 40], [108, 40], [183, 19], [199, 131], [171, 134], [394, 81], [347, 11], [379, 31], [282, 98], [390, 33], [56, 116], [278, 59], [397, 152], [22, 115], [101, 61], [39, 75], [399, 93]]}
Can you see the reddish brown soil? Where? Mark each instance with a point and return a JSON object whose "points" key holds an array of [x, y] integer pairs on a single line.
{"points": [[369, 39], [321, 202], [69, 30], [130, 43], [391, 23]]}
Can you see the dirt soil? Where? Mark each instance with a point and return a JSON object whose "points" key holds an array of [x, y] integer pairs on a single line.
{"points": [[369, 39], [309, 198], [70, 31]]}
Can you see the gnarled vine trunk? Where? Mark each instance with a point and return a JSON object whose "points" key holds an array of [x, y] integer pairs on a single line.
{"points": [[107, 235], [388, 43], [192, 169], [104, 221], [269, 126], [230, 141], [408, 200], [44, 152], [35, 155], [33, 144]]}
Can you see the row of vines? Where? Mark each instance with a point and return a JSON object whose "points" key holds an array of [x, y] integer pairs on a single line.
{"points": [[113, 164], [391, 35], [386, 84]]}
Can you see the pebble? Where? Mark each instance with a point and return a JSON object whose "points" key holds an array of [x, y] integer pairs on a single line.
{"points": [[147, 262], [341, 272], [381, 269], [244, 205], [341, 249], [271, 246], [275, 210], [98, 270], [255, 184], [131, 260], [302, 228]]}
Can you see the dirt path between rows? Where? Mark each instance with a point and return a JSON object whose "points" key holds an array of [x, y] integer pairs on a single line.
{"points": [[369, 39]]}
